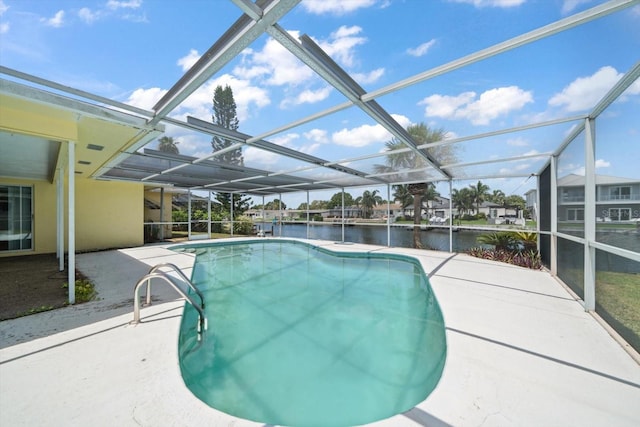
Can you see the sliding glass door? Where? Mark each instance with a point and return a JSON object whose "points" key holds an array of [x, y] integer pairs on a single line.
{"points": [[16, 218]]}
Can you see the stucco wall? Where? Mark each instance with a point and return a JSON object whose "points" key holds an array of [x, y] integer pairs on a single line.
{"points": [[108, 215]]}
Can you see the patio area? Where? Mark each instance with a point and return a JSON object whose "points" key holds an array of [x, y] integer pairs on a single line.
{"points": [[521, 351]]}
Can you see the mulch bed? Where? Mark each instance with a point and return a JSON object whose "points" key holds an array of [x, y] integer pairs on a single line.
{"points": [[29, 284]]}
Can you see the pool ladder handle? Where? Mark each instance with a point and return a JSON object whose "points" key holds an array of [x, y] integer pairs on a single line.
{"points": [[155, 273]]}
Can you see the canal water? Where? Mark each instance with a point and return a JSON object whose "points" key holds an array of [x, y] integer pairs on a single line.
{"points": [[438, 239]]}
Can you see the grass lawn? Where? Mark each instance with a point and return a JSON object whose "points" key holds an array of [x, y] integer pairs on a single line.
{"points": [[618, 302]]}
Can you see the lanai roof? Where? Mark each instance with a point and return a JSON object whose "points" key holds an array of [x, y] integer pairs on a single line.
{"points": [[124, 130]]}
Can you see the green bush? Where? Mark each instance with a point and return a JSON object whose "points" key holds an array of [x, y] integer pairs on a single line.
{"points": [[243, 225]]}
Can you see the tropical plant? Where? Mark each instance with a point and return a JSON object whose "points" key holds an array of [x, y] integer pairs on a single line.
{"points": [[501, 241], [368, 200], [401, 195], [497, 197], [528, 239], [527, 259], [479, 193], [167, 144], [462, 200], [409, 165]]}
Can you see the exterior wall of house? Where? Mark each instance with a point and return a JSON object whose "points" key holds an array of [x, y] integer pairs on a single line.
{"points": [[108, 215], [610, 203]]}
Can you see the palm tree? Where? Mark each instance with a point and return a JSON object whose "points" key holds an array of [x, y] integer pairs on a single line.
{"points": [[368, 200], [166, 144], [462, 199], [409, 166], [401, 194], [479, 192], [497, 197]]}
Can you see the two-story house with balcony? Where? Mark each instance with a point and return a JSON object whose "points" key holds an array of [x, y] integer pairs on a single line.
{"points": [[617, 199]]}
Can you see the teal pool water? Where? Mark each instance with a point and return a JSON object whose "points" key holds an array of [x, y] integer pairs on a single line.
{"points": [[301, 336]]}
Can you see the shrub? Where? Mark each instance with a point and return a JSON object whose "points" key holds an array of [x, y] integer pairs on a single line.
{"points": [[242, 225], [527, 259], [501, 241]]}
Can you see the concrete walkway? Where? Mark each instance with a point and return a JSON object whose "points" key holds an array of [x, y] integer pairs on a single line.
{"points": [[521, 352]]}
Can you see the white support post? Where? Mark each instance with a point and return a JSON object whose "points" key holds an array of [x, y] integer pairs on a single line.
{"points": [[161, 231], [189, 215], [264, 223], [307, 214], [208, 214], [450, 216], [589, 217], [71, 264], [342, 214], [60, 218], [389, 215], [231, 209], [537, 212], [553, 165], [280, 214]]}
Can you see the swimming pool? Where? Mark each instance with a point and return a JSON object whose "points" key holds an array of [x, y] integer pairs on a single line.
{"points": [[299, 335]]}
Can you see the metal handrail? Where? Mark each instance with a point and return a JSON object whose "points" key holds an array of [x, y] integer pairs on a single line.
{"points": [[202, 320], [177, 270]]}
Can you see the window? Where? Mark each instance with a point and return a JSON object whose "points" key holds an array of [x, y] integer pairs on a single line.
{"points": [[575, 214], [620, 214], [620, 193], [16, 218]]}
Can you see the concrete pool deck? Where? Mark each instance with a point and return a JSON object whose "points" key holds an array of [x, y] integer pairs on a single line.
{"points": [[521, 351]]}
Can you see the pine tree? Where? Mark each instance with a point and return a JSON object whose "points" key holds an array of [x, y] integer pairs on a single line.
{"points": [[224, 114]]}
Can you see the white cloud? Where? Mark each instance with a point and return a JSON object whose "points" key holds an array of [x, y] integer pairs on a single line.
{"points": [[307, 96], [422, 49], [145, 98], [371, 77], [199, 103], [336, 7], [601, 163], [130, 4], [364, 135], [491, 3], [317, 135], [4, 26], [273, 65], [341, 44], [187, 61], [531, 153], [490, 105], [256, 156], [585, 92], [517, 142], [56, 21], [569, 5], [87, 16]]}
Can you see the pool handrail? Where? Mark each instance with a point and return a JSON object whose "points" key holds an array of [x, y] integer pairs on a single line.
{"points": [[202, 320], [182, 275]]}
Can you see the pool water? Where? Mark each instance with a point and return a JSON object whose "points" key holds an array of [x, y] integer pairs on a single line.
{"points": [[299, 336]]}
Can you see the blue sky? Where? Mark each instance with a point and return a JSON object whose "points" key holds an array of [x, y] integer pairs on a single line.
{"points": [[134, 51]]}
